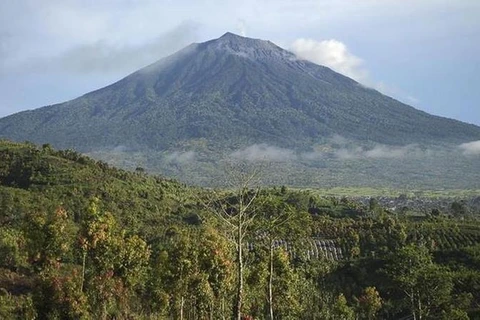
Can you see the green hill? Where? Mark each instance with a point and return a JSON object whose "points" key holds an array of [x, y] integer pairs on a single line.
{"points": [[32, 178], [80, 239]]}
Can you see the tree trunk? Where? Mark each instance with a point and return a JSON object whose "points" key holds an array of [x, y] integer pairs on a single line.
{"points": [[420, 313], [412, 300], [240, 272], [270, 282], [223, 308], [84, 258], [182, 302]]}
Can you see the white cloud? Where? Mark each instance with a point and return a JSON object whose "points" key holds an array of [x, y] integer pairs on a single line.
{"points": [[178, 157], [336, 55], [264, 152], [378, 152], [312, 156], [349, 154], [471, 148], [388, 152], [242, 27], [333, 54], [105, 57]]}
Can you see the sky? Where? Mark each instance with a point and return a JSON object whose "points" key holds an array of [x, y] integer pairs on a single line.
{"points": [[422, 52]]}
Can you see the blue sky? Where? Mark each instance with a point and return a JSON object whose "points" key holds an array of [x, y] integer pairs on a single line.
{"points": [[422, 52]]}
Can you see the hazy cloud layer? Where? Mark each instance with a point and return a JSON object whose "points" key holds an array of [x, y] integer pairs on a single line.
{"points": [[312, 156], [178, 157], [333, 54], [105, 57], [342, 150], [378, 152], [264, 152], [471, 148]]}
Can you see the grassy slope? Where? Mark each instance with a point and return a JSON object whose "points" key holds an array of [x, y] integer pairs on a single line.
{"points": [[34, 178]]}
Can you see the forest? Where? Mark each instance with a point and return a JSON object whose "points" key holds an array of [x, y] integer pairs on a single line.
{"points": [[80, 239]]}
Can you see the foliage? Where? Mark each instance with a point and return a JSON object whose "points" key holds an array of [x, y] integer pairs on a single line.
{"points": [[369, 303], [81, 240]]}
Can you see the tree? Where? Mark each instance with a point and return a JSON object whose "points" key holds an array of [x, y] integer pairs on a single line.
{"points": [[113, 263], [435, 212], [374, 206], [426, 286], [369, 303], [341, 310], [215, 264], [284, 287], [458, 208], [279, 223], [191, 274], [236, 214], [12, 248], [49, 237], [178, 261]]}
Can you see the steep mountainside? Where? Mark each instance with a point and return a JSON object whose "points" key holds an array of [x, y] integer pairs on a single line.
{"points": [[213, 99], [231, 91]]}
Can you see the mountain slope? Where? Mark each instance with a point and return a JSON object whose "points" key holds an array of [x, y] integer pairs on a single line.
{"points": [[33, 177], [182, 114], [232, 91]]}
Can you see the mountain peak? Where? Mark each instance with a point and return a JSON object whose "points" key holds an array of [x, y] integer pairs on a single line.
{"points": [[248, 98], [229, 35], [253, 49]]}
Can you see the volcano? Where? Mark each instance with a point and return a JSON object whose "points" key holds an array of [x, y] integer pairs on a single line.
{"points": [[217, 98]]}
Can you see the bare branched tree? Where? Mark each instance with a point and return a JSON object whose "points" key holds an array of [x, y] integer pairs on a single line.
{"points": [[235, 210]]}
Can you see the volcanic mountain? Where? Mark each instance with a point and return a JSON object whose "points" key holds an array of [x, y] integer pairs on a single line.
{"points": [[215, 98]]}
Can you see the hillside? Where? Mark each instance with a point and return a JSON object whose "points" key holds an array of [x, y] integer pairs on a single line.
{"points": [[83, 240], [32, 178], [214, 99]]}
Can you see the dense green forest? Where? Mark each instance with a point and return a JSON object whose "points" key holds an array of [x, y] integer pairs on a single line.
{"points": [[80, 239]]}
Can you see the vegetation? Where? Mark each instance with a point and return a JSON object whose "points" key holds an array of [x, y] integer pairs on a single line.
{"points": [[80, 239]]}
